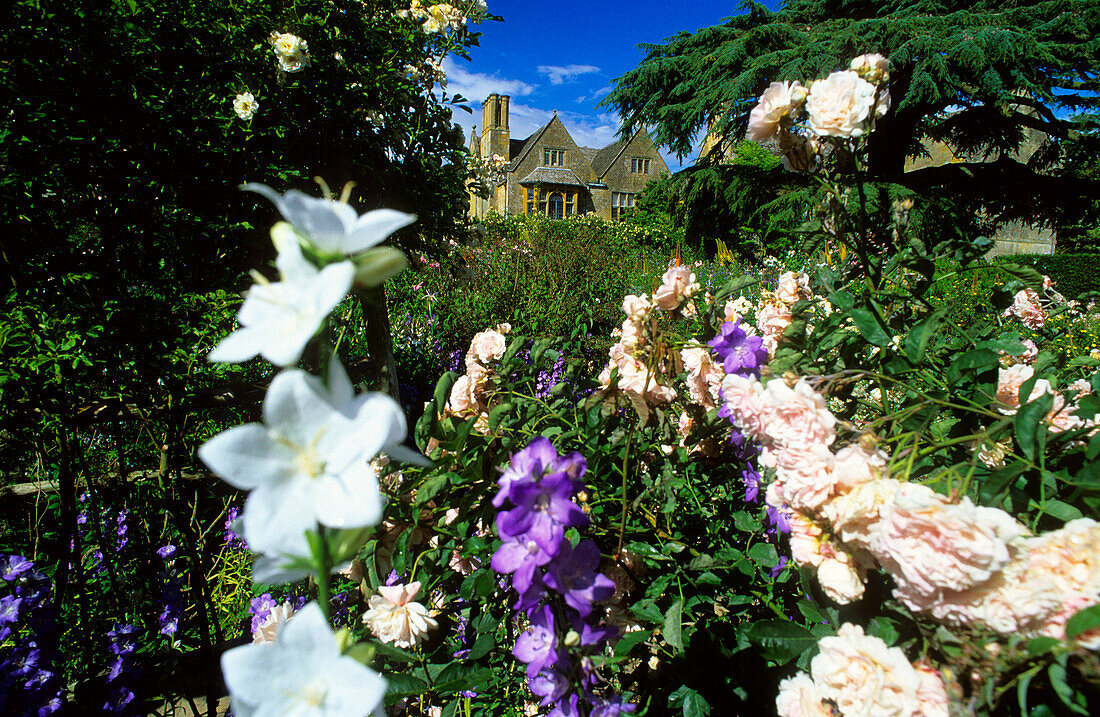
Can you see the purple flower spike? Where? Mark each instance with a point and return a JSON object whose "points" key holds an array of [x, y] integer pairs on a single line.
{"points": [[573, 574], [166, 551], [741, 354], [612, 707], [12, 566], [550, 685], [527, 466], [520, 555], [543, 510], [537, 646]]}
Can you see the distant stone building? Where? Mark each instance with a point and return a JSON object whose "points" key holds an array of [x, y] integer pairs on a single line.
{"points": [[548, 173]]}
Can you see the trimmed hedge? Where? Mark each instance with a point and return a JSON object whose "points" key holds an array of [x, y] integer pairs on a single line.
{"points": [[1072, 274]]}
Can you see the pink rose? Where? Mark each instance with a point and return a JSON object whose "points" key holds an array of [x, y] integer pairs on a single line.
{"points": [[793, 287], [796, 416], [485, 347], [772, 320], [930, 545], [704, 376], [677, 285], [808, 475], [863, 676], [840, 105], [931, 693], [856, 515], [799, 697], [1009, 381], [777, 102], [841, 578]]}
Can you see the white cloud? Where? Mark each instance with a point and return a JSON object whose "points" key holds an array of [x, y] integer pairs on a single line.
{"points": [[476, 86], [558, 75]]}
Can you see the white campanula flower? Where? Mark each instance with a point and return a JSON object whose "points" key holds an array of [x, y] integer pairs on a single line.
{"points": [[333, 227], [279, 318], [301, 673], [307, 463], [245, 105]]}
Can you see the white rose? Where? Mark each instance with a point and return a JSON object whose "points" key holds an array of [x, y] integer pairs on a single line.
{"points": [[863, 676], [840, 105]]}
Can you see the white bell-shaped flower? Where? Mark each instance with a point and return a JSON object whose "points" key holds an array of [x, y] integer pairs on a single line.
{"points": [[307, 463], [301, 673], [333, 227], [279, 318]]}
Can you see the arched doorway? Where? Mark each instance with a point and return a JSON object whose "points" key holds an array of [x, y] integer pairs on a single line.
{"points": [[556, 206]]}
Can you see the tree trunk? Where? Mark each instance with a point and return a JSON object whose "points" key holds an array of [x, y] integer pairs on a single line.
{"points": [[383, 369]]}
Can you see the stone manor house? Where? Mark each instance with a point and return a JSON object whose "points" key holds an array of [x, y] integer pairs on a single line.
{"points": [[548, 173]]}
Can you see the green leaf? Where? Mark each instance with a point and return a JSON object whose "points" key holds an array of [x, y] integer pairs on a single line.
{"points": [[1083, 621], [734, 285], [1027, 275], [781, 640], [916, 343], [429, 488], [399, 685], [671, 630], [869, 326], [1030, 426], [1069, 696], [627, 642], [764, 555], [393, 653], [460, 677], [484, 643], [1041, 645], [690, 702], [1060, 510]]}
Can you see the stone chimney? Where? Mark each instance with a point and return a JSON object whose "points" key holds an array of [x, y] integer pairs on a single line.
{"points": [[495, 135]]}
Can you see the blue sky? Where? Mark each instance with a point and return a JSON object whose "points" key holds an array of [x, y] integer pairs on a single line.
{"points": [[564, 56]]}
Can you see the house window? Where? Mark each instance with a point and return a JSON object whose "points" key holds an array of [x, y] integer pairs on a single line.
{"points": [[556, 206], [639, 165], [620, 203], [553, 157]]}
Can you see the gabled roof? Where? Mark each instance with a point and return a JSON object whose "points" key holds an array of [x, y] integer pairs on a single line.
{"points": [[589, 153], [527, 145], [552, 175], [607, 156], [515, 146]]}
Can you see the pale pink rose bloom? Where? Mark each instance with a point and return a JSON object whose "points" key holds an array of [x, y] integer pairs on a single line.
{"points": [[856, 515], [799, 697], [793, 287], [1060, 417], [930, 545], [856, 466], [485, 347], [504, 328], [631, 336], [268, 630], [1009, 381], [841, 578], [808, 475], [481, 424], [744, 397], [677, 285], [636, 307], [863, 676], [807, 542], [840, 105], [772, 320], [394, 616], [460, 400], [1070, 559], [872, 67], [796, 416], [777, 102], [931, 693], [1081, 387], [704, 376], [1026, 307]]}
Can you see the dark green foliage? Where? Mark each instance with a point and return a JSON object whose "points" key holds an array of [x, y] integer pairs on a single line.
{"points": [[1072, 274], [976, 75]]}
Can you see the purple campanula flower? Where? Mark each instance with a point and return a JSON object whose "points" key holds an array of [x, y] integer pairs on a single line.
{"points": [[526, 466], [741, 353], [122, 639], [393, 578], [9, 609], [611, 707], [122, 529], [54, 704], [537, 646], [520, 555], [543, 511], [780, 519], [573, 574], [569, 707], [779, 566], [260, 608], [12, 566], [550, 685], [751, 478], [166, 551]]}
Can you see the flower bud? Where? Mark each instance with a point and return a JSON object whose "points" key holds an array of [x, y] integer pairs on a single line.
{"points": [[572, 638], [374, 266]]}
